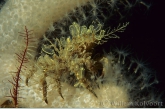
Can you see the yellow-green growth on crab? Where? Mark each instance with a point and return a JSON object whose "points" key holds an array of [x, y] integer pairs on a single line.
{"points": [[70, 57]]}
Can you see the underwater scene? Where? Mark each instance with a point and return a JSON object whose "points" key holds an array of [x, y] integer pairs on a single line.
{"points": [[82, 54]]}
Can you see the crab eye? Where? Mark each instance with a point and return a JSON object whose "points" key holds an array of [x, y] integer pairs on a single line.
{"points": [[47, 50]]}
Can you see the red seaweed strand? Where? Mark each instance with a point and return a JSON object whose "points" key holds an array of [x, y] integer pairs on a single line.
{"points": [[22, 59]]}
